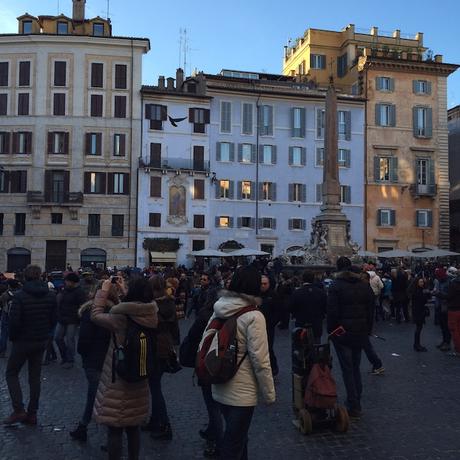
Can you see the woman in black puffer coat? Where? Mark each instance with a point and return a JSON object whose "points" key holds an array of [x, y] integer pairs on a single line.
{"points": [[419, 299]]}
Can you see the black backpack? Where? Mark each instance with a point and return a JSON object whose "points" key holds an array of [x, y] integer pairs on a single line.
{"points": [[134, 360]]}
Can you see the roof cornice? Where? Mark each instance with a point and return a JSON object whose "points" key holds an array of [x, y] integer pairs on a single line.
{"points": [[432, 67]]}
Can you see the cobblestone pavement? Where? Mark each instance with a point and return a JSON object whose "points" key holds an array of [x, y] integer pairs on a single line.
{"points": [[411, 412]]}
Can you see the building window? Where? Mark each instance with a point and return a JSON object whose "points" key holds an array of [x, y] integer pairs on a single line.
{"points": [[344, 158], [384, 84], [320, 122], [224, 151], [94, 224], [62, 28], [121, 76], [267, 223], [4, 142], [155, 187], [197, 245], [155, 155], [266, 120], [268, 155], [24, 73], [200, 118], [317, 61], [424, 218], [298, 122], [98, 29], [386, 169], [425, 176], [97, 101], [342, 65], [118, 224], [198, 221], [60, 73], [18, 181], [156, 114], [246, 222], [26, 27], [297, 156], [19, 223], [59, 104], [386, 217], [297, 192], [56, 186], [119, 183], [56, 218], [198, 189], [319, 193], [421, 86], [422, 121], [23, 104], [342, 124], [22, 142], [95, 182], [319, 156], [345, 194], [58, 143], [385, 115], [248, 122], [4, 70], [93, 143], [120, 107], [154, 219], [297, 224], [119, 145], [3, 104], [198, 158], [246, 153], [225, 117], [223, 221], [4, 179], [224, 189], [97, 75], [267, 191], [246, 190]]}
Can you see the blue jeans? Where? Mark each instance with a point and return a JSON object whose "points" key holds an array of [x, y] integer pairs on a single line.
{"points": [[159, 415], [234, 444], [92, 377], [215, 425], [3, 332], [350, 359], [65, 340], [372, 355]]}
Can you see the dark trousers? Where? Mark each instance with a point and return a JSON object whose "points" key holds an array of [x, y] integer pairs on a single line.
{"points": [[159, 415], [446, 335], [271, 343], [215, 425], [235, 441], [418, 331], [115, 442], [92, 377], [3, 331], [32, 352], [350, 359], [401, 306], [371, 355], [65, 337]]}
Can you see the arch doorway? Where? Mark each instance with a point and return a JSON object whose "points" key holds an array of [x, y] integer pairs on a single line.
{"points": [[17, 259], [94, 258]]}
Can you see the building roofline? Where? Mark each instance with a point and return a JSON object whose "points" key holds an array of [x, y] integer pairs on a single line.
{"points": [[154, 90]]}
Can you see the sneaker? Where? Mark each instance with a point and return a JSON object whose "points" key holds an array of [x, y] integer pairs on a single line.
{"points": [[378, 371], [79, 434], [31, 419], [15, 417], [453, 353], [164, 433]]}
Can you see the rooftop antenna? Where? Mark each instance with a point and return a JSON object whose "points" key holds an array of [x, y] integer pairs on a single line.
{"points": [[108, 9], [181, 31], [58, 7]]}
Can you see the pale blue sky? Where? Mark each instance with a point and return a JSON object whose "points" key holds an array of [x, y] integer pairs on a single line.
{"points": [[250, 34]]}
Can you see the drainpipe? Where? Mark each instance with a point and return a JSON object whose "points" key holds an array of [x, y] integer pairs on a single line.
{"points": [[257, 163]]}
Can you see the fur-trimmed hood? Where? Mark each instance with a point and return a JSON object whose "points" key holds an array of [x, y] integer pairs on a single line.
{"points": [[145, 314], [230, 302]]}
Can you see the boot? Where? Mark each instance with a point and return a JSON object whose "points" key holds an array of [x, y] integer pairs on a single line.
{"points": [[79, 434], [162, 433]]}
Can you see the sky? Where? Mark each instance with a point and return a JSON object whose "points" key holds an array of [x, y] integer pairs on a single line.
{"points": [[250, 34]]}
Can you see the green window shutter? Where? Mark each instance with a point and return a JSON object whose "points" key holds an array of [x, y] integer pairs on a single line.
{"points": [[392, 115], [378, 121], [218, 190], [261, 154], [239, 186], [319, 130], [290, 192], [429, 122], [218, 151], [379, 217], [431, 172], [303, 155], [232, 152], [347, 194], [253, 153], [394, 169], [231, 190], [347, 125], [303, 122], [319, 193], [377, 169], [378, 83], [273, 223], [418, 219], [393, 217], [274, 155], [240, 152], [312, 61], [430, 218], [323, 61], [261, 190], [260, 119], [239, 222], [253, 191], [293, 130], [303, 197], [291, 155], [270, 121], [392, 84], [216, 221], [273, 191], [428, 87], [347, 158], [414, 86], [414, 121], [290, 224]]}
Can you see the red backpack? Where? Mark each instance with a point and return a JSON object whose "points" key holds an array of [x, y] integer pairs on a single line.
{"points": [[321, 390], [216, 360]]}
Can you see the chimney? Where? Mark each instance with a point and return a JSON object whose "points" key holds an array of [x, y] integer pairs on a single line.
{"points": [[179, 79], [161, 82], [170, 83], [78, 10]]}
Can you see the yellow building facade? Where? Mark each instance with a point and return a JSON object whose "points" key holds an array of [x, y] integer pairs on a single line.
{"points": [[406, 172]]}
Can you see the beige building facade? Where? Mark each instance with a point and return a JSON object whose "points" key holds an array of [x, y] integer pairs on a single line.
{"points": [[69, 139]]}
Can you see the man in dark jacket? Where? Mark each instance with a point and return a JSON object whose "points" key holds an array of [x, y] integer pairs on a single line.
{"points": [[350, 305], [69, 301], [308, 305], [31, 318], [453, 307]]}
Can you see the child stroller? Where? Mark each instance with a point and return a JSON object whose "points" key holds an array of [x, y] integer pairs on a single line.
{"points": [[314, 393]]}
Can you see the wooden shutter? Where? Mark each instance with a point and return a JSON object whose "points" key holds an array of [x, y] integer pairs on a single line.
{"points": [[378, 83], [24, 73], [15, 143], [290, 224], [379, 217], [110, 184], [28, 142], [3, 104], [97, 73], [319, 156], [418, 219], [272, 191], [303, 156], [126, 184], [415, 86], [273, 223], [23, 104], [247, 118], [103, 179], [322, 60], [319, 118], [155, 154], [239, 190], [122, 151], [347, 194], [378, 119], [48, 184], [66, 142], [207, 117], [4, 66], [377, 169], [274, 155], [218, 151], [392, 115], [198, 187], [225, 117], [98, 143], [293, 130], [60, 73], [392, 217], [429, 122], [290, 192], [431, 172], [291, 156], [428, 87], [6, 179], [5, 142], [120, 76], [155, 187], [270, 121], [66, 184], [232, 151], [191, 115], [430, 218], [216, 221], [218, 189], [394, 169], [50, 142], [415, 121], [347, 158], [303, 196], [347, 125], [87, 182], [239, 222], [120, 107], [148, 111], [261, 154], [240, 153], [303, 122], [319, 193], [253, 153], [392, 84], [13, 182], [231, 189]]}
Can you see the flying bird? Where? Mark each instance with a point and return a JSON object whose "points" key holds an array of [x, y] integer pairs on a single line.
{"points": [[174, 121]]}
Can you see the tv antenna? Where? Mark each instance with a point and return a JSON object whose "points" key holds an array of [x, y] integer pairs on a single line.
{"points": [[108, 9]]}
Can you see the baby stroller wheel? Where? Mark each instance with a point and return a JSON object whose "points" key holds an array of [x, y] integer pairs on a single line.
{"points": [[305, 422], [342, 421]]}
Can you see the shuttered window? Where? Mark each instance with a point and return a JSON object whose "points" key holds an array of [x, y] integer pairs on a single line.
{"points": [[120, 76], [22, 142], [23, 104], [266, 120], [24, 73], [248, 118], [3, 104], [120, 107], [198, 158], [422, 121], [155, 187], [317, 61], [424, 218], [225, 117], [95, 183], [345, 194], [58, 142], [118, 184], [59, 104], [4, 181], [4, 142], [97, 101], [297, 156], [386, 217], [4, 70], [384, 84], [119, 145], [94, 224], [198, 221], [200, 118], [386, 169], [421, 86], [154, 219], [19, 223], [18, 181], [93, 143], [118, 221], [297, 192], [320, 123], [342, 65], [344, 158], [297, 224], [298, 122], [198, 189], [344, 124], [60, 68], [97, 75], [385, 115]]}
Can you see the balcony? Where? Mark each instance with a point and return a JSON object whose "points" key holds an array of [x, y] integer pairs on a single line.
{"points": [[175, 164], [423, 190], [57, 199]]}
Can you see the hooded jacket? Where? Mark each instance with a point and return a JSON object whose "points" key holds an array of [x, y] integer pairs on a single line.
{"points": [[33, 313], [350, 304], [254, 373], [119, 403], [375, 283], [69, 301]]}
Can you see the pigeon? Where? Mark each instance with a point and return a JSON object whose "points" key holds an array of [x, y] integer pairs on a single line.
{"points": [[174, 121]]}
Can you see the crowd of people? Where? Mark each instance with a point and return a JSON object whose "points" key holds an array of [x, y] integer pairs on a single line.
{"points": [[97, 314]]}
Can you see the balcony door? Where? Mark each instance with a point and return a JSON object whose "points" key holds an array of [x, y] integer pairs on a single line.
{"points": [[56, 255]]}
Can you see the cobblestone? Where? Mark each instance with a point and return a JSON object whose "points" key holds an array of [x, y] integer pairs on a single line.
{"points": [[411, 412]]}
